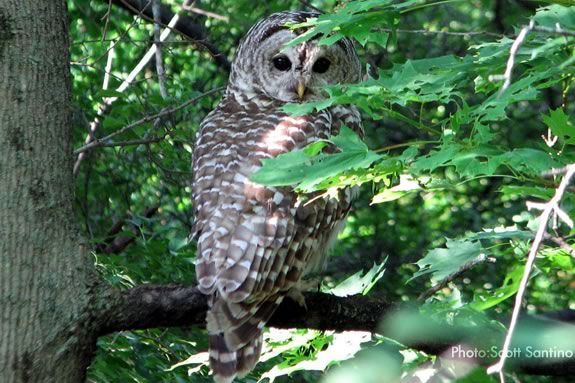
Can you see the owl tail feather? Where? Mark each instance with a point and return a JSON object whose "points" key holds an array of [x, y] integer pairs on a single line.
{"points": [[235, 335], [227, 364]]}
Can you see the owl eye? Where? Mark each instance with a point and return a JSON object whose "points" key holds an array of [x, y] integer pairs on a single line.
{"points": [[321, 65], [281, 63]]}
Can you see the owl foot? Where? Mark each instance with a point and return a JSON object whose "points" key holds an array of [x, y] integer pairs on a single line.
{"points": [[296, 295]]}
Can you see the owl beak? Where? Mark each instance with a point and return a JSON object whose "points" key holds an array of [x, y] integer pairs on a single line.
{"points": [[301, 89]]}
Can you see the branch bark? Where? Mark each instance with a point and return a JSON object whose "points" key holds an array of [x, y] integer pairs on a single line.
{"points": [[187, 26], [150, 306]]}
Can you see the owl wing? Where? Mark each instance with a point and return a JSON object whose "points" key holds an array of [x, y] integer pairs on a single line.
{"points": [[347, 115]]}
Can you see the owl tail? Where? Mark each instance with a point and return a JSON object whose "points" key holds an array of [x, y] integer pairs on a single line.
{"points": [[226, 364], [235, 335]]}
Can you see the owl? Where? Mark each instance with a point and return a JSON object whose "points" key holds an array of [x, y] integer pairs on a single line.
{"points": [[255, 242]]}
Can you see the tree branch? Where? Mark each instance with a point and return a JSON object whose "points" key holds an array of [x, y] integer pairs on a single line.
{"points": [[186, 26], [115, 243], [150, 306]]}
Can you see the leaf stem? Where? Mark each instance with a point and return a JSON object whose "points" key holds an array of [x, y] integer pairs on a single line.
{"points": [[405, 144]]}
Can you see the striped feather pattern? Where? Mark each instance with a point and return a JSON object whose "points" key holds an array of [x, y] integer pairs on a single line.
{"points": [[256, 242]]}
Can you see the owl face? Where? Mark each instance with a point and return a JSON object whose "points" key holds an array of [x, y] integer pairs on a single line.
{"points": [[265, 65]]}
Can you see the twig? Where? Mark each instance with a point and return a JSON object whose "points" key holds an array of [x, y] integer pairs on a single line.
{"points": [[404, 144], [142, 141], [517, 44], [548, 208], [134, 41], [445, 33], [441, 284], [102, 109], [511, 60], [107, 17], [555, 31], [203, 12], [116, 40], [157, 43], [556, 171], [100, 141], [559, 241], [108, 68]]}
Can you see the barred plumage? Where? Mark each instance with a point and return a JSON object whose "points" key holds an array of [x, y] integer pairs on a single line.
{"points": [[256, 242]]}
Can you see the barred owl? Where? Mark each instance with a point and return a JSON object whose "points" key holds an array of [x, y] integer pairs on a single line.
{"points": [[256, 242]]}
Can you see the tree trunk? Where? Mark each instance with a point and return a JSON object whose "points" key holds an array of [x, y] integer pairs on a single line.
{"points": [[46, 275]]}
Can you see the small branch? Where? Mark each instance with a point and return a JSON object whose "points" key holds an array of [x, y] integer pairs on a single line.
{"points": [[466, 267], [157, 43], [441, 33], [102, 109], [108, 68], [556, 171], [116, 40], [115, 244], [101, 141], [107, 17], [559, 241], [202, 12], [143, 141], [550, 207], [511, 60], [554, 31]]}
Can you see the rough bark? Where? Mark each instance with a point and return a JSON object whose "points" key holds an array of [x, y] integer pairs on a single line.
{"points": [[45, 274]]}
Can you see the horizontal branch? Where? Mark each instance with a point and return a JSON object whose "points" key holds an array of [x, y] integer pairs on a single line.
{"points": [[151, 306], [187, 26]]}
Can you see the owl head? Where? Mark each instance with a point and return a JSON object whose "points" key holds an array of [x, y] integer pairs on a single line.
{"points": [[265, 66]]}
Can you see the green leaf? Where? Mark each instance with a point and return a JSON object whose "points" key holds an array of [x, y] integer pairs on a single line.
{"points": [[560, 125], [481, 160], [530, 161], [443, 262], [315, 148], [308, 167], [359, 283], [483, 301], [436, 159], [407, 185], [500, 233]]}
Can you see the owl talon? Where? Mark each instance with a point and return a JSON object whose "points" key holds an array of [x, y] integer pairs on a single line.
{"points": [[296, 295]]}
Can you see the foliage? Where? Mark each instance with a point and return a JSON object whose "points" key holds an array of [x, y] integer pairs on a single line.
{"points": [[453, 159]]}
